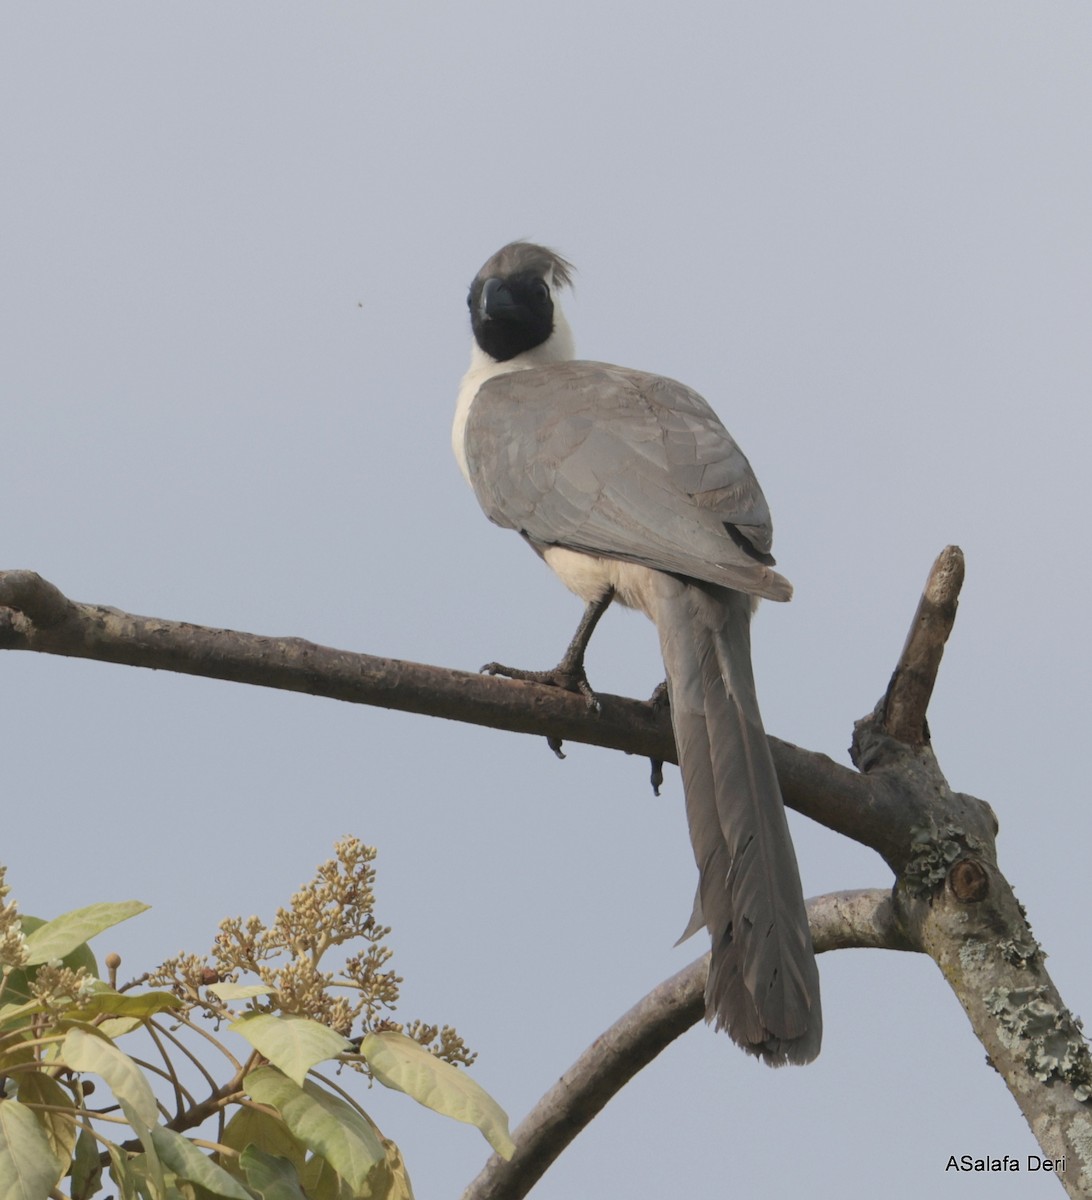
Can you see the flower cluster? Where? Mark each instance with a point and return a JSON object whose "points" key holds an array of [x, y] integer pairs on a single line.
{"points": [[59, 989], [13, 942], [335, 909]]}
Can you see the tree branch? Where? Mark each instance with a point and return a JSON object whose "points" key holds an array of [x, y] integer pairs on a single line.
{"points": [[950, 900], [36, 616], [911, 685], [954, 902], [839, 920]]}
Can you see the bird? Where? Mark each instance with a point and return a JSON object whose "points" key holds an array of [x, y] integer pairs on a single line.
{"points": [[631, 490]]}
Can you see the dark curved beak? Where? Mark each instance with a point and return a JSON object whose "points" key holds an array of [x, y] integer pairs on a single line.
{"points": [[496, 301]]}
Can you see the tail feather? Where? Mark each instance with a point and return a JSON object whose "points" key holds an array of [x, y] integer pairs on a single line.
{"points": [[763, 982]]}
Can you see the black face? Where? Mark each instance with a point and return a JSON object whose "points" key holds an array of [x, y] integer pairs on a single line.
{"points": [[510, 315]]}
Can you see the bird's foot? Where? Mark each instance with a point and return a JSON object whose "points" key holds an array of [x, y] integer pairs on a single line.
{"points": [[656, 775], [659, 700], [567, 675]]}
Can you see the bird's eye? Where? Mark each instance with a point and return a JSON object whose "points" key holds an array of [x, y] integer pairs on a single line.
{"points": [[542, 292]]}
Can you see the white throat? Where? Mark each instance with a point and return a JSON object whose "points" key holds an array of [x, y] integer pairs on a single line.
{"points": [[558, 347]]}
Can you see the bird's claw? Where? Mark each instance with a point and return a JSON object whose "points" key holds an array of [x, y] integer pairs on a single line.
{"points": [[564, 676], [659, 700], [656, 778], [660, 697]]}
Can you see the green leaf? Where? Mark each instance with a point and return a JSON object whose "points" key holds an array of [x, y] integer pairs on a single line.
{"points": [[272, 1177], [180, 1155], [240, 991], [388, 1180], [321, 1182], [401, 1063], [36, 1087], [115, 1027], [63, 934], [28, 1168], [265, 1131], [86, 1167], [128, 1004], [148, 1172], [399, 1187], [15, 1014], [131, 1176], [322, 1121], [120, 1173], [85, 1052], [294, 1044], [14, 1050]]}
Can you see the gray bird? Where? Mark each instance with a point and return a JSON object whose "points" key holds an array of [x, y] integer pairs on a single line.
{"points": [[630, 488]]}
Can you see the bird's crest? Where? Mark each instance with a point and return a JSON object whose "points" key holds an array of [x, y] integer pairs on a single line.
{"points": [[521, 257]]}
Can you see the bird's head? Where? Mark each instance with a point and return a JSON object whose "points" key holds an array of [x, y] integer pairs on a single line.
{"points": [[513, 304]]}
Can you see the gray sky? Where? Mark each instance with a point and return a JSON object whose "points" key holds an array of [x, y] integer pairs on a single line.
{"points": [[234, 246]]}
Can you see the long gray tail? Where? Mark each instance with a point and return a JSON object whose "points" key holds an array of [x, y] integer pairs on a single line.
{"points": [[763, 982]]}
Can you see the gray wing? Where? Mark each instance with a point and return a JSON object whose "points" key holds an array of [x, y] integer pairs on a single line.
{"points": [[622, 464]]}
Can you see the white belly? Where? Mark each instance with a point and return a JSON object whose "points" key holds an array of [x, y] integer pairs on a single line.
{"points": [[589, 577]]}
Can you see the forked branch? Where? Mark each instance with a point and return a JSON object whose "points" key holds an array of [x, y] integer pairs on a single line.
{"points": [[950, 898]]}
